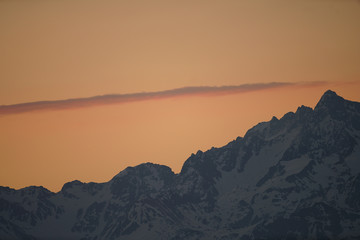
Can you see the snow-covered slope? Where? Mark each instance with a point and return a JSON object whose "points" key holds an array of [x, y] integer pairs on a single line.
{"points": [[297, 177]]}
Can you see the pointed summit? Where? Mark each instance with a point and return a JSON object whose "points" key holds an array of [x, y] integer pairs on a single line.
{"points": [[330, 93], [330, 100]]}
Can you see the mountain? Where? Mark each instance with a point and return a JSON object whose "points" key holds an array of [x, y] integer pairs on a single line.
{"points": [[297, 177]]}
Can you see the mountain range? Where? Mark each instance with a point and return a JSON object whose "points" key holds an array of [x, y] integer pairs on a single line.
{"points": [[297, 177]]}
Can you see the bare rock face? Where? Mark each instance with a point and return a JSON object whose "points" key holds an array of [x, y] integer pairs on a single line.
{"points": [[297, 177]]}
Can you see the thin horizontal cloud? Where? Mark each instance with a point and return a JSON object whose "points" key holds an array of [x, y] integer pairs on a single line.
{"points": [[142, 96]]}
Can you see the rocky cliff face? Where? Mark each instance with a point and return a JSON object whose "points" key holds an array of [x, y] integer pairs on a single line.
{"points": [[297, 177]]}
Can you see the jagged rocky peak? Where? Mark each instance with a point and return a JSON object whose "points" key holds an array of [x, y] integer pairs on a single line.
{"points": [[337, 108], [146, 169], [6, 189], [76, 187], [327, 107], [37, 191], [303, 110], [328, 97], [71, 184], [199, 162], [331, 101], [146, 177], [274, 119]]}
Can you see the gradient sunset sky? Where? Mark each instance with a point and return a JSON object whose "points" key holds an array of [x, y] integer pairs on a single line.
{"points": [[89, 87]]}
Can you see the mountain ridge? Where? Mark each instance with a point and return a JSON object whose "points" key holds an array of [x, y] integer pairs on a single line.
{"points": [[329, 94], [297, 177]]}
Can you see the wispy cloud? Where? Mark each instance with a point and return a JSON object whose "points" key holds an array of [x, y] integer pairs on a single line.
{"points": [[142, 96]]}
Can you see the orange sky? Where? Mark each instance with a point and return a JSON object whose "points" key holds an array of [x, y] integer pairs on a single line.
{"points": [[54, 50]]}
